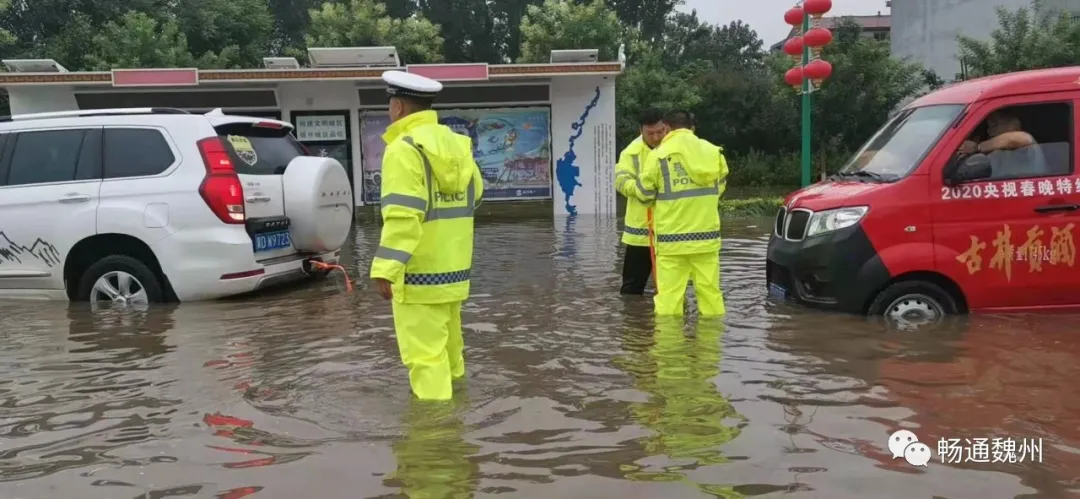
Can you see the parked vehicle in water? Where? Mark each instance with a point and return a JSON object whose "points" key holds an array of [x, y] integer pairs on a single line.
{"points": [[153, 205], [966, 200]]}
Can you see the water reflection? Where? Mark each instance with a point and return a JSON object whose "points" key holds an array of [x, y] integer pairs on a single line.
{"points": [[689, 419], [573, 391], [88, 393], [433, 458]]}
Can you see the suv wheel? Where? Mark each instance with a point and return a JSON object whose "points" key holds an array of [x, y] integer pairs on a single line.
{"points": [[913, 303], [120, 279]]}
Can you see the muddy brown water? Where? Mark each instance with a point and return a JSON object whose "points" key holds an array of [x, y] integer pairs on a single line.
{"points": [[572, 392]]}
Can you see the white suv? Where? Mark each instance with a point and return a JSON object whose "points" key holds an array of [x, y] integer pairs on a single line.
{"points": [[157, 205]]}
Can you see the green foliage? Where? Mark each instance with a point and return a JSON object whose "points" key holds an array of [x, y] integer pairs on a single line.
{"points": [[562, 24], [750, 207], [224, 33], [1026, 38], [364, 23], [674, 61], [648, 84], [138, 40]]}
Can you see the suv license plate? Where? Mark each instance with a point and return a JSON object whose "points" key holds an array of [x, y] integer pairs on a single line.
{"points": [[777, 291], [270, 241]]}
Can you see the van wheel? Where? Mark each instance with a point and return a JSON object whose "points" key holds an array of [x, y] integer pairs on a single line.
{"points": [[121, 280], [913, 303]]}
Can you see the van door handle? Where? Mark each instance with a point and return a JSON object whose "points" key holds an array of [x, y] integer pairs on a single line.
{"points": [[1057, 207], [258, 199], [74, 198]]}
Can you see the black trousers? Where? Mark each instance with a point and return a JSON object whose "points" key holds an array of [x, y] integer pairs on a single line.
{"points": [[637, 266]]}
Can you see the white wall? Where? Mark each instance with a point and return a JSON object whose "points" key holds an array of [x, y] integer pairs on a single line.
{"points": [[583, 113], [43, 99], [328, 96]]}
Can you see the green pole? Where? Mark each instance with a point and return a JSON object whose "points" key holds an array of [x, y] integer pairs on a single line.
{"points": [[805, 108]]}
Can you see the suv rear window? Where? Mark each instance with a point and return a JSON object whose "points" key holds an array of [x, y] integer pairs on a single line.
{"points": [[259, 150]]}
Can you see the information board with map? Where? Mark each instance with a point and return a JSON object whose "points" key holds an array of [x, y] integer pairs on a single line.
{"points": [[512, 146]]}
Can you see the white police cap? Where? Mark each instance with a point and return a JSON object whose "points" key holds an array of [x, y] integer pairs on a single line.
{"points": [[411, 85]]}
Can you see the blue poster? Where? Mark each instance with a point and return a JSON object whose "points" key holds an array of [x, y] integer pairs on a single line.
{"points": [[512, 147]]}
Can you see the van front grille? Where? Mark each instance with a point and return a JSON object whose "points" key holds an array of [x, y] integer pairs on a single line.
{"points": [[796, 224], [780, 221]]}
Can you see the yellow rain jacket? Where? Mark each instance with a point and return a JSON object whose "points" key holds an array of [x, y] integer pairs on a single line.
{"points": [[685, 177], [628, 183], [431, 187]]}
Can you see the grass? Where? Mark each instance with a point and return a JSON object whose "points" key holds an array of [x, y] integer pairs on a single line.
{"points": [[750, 207]]}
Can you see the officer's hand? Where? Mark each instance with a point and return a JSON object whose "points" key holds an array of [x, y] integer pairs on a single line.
{"points": [[385, 291]]}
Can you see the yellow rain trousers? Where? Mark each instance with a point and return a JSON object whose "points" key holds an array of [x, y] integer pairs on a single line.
{"points": [[672, 274], [628, 183], [684, 177], [431, 187]]}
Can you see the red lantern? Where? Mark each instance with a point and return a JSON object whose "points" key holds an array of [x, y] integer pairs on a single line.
{"points": [[818, 70], [794, 77], [818, 38], [794, 17], [794, 47], [817, 8]]}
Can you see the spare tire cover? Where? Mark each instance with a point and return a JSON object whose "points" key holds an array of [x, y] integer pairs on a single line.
{"points": [[318, 202]]}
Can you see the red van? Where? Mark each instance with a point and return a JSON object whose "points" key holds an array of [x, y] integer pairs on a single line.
{"points": [[966, 200]]}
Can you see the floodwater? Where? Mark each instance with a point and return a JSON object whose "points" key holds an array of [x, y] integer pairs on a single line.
{"points": [[572, 392]]}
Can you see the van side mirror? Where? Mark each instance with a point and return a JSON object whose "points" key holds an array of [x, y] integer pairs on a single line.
{"points": [[974, 167]]}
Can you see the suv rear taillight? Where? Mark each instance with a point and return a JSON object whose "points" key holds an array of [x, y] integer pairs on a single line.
{"points": [[221, 189]]}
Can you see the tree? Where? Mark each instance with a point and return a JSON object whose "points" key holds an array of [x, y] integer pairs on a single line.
{"points": [[1024, 39], [235, 33], [290, 24], [564, 25], [649, 17], [734, 46], [35, 23], [508, 16], [468, 29], [648, 83], [6, 37], [363, 23], [137, 40]]}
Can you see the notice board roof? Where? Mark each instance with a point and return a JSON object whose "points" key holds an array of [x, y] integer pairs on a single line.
{"points": [[151, 77]]}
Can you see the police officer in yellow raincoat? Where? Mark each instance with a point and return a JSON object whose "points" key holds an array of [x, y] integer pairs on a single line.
{"points": [[430, 188], [637, 263], [684, 177]]}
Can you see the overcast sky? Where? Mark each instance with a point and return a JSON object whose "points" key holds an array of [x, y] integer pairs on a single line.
{"points": [[767, 16]]}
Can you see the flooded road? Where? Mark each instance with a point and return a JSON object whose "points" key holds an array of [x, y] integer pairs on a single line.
{"points": [[572, 392]]}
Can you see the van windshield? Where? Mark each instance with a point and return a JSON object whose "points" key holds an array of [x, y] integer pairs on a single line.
{"points": [[898, 147]]}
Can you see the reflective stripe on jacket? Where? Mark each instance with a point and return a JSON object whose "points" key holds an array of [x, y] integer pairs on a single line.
{"points": [[628, 183], [688, 175], [431, 187]]}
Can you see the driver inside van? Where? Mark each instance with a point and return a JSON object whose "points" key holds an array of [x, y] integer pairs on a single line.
{"points": [[1012, 151]]}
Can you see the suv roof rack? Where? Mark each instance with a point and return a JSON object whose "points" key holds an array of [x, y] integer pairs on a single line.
{"points": [[94, 112]]}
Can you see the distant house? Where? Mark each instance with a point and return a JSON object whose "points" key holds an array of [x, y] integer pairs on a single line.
{"points": [[877, 27]]}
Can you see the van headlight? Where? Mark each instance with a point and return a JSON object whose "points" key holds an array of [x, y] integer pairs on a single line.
{"points": [[830, 220]]}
